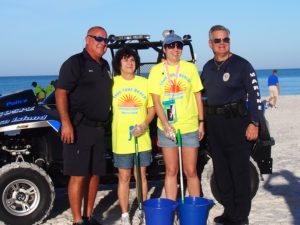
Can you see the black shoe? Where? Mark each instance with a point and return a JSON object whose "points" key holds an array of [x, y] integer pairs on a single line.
{"points": [[82, 222], [91, 220], [222, 219], [238, 222]]}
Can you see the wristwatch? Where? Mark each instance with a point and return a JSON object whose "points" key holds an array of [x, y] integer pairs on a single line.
{"points": [[255, 123]]}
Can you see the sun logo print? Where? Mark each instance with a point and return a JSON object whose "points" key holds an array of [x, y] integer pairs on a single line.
{"points": [[174, 87], [129, 101]]}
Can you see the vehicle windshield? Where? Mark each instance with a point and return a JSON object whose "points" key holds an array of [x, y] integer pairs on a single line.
{"points": [[150, 52]]}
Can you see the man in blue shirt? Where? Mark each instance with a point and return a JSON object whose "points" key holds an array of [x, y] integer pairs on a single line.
{"points": [[274, 89]]}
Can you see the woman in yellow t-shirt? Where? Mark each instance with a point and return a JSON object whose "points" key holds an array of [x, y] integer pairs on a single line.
{"points": [[175, 86], [132, 112]]}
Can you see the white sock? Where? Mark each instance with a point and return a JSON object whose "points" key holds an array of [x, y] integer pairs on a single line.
{"points": [[125, 215]]}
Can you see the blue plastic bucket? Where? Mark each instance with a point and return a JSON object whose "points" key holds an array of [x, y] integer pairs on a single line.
{"points": [[194, 211], [159, 211]]}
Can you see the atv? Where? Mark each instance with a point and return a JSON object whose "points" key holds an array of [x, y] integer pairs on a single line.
{"points": [[31, 149]]}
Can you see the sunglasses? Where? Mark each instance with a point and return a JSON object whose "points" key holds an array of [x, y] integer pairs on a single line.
{"points": [[100, 39], [179, 45], [219, 40]]}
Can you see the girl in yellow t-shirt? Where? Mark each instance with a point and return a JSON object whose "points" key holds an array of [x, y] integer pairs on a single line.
{"points": [[132, 112]]}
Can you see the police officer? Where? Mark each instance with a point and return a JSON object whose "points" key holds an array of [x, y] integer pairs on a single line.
{"points": [[83, 101], [232, 124]]}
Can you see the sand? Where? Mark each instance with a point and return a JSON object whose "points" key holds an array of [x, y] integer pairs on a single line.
{"points": [[277, 201]]}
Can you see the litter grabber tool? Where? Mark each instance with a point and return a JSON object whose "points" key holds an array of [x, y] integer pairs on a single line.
{"points": [[179, 143], [138, 179]]}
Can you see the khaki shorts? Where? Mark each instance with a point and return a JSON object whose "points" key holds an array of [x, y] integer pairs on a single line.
{"points": [[273, 91]]}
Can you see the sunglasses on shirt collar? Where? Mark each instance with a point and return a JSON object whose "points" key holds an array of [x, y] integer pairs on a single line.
{"points": [[99, 39], [178, 44], [219, 40]]}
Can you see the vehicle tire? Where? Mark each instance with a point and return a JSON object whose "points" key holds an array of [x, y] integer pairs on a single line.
{"points": [[209, 186], [27, 194]]}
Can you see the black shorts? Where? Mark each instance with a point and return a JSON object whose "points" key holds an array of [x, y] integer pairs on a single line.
{"points": [[87, 155]]}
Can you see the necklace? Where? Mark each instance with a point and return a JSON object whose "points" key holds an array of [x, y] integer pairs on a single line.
{"points": [[220, 63]]}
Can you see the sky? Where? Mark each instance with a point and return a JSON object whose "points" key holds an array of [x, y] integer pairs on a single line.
{"points": [[37, 36]]}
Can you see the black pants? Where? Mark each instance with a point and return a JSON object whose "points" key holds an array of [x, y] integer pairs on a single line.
{"points": [[231, 160]]}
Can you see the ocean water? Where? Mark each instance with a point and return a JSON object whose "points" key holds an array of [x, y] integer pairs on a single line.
{"points": [[289, 80]]}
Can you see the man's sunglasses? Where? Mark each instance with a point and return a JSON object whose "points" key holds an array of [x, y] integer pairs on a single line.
{"points": [[179, 45], [100, 39], [218, 40]]}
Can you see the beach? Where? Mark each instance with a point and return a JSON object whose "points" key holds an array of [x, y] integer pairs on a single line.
{"points": [[277, 201]]}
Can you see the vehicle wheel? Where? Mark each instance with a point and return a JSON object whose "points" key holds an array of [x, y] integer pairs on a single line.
{"points": [[27, 194], [209, 186]]}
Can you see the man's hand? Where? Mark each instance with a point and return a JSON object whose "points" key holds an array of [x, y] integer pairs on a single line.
{"points": [[251, 132], [67, 133]]}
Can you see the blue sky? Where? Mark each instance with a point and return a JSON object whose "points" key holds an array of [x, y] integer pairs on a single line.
{"points": [[38, 35]]}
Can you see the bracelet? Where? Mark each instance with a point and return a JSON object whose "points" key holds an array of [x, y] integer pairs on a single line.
{"points": [[200, 121]]}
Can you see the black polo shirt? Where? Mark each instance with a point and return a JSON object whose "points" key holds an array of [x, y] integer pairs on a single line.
{"points": [[89, 84], [233, 81]]}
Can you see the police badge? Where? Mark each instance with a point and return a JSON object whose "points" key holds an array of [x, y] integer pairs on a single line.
{"points": [[226, 77]]}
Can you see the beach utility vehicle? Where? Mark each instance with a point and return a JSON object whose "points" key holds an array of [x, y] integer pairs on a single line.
{"points": [[31, 149]]}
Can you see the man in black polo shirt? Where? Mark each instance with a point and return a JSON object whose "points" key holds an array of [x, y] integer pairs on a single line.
{"points": [[83, 100], [231, 124]]}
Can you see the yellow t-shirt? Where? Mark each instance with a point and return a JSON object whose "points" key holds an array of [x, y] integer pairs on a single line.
{"points": [[49, 89], [130, 102], [182, 91], [38, 90]]}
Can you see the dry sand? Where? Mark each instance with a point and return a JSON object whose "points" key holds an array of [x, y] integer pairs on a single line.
{"points": [[277, 201]]}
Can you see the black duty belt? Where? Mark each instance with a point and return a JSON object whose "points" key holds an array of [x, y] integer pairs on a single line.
{"points": [[80, 118], [92, 123], [232, 109]]}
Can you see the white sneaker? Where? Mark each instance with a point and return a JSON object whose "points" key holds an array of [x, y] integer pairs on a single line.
{"points": [[125, 220]]}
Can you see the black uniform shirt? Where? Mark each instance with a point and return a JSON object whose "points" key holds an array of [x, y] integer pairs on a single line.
{"points": [[235, 80], [89, 84]]}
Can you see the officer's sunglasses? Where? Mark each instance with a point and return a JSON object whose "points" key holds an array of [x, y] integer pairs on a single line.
{"points": [[219, 40], [100, 39]]}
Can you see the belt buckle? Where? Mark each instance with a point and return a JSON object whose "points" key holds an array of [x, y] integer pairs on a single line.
{"points": [[220, 111], [227, 110]]}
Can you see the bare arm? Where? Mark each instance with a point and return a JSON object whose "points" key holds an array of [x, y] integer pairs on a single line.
{"points": [[139, 129], [67, 131], [198, 97]]}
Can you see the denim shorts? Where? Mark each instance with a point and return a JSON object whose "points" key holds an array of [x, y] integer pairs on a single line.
{"points": [[127, 160], [188, 140]]}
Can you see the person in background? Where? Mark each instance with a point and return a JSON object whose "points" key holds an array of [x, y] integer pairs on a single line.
{"points": [[50, 88], [83, 100], [274, 89], [175, 84], [231, 125], [132, 113], [38, 91]]}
